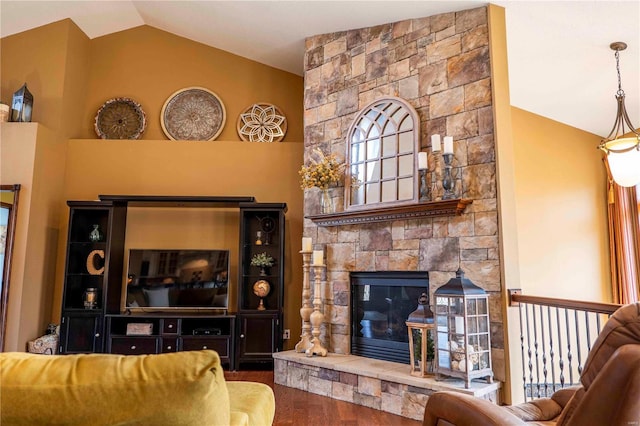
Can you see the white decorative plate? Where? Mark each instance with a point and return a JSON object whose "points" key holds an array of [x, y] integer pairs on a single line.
{"points": [[193, 114], [262, 122]]}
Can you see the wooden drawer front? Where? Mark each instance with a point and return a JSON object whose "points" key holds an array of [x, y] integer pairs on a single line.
{"points": [[220, 345], [133, 346], [169, 345], [170, 326]]}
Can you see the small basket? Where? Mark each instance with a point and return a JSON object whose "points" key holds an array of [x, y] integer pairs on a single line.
{"points": [[46, 345]]}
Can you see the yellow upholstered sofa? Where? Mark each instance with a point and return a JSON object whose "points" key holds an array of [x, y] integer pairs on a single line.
{"points": [[183, 388]]}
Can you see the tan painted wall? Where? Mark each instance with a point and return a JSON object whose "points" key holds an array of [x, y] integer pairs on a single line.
{"points": [[560, 205], [149, 65], [33, 156], [561, 209], [76, 80], [71, 77], [53, 61], [17, 153], [156, 167], [41, 58]]}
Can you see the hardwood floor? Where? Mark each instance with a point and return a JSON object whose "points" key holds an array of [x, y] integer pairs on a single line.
{"points": [[296, 407]]}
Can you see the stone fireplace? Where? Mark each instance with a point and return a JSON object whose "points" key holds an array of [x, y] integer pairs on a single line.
{"points": [[441, 66], [380, 305]]}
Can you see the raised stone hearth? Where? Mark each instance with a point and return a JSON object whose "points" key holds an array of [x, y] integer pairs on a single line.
{"points": [[382, 385]]}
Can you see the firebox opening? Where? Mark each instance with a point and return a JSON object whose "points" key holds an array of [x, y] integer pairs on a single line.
{"points": [[380, 304]]}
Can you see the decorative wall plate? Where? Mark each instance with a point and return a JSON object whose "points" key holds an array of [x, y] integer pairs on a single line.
{"points": [[193, 114], [262, 122], [120, 118]]}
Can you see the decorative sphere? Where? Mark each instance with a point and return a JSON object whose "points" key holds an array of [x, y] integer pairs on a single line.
{"points": [[261, 288]]}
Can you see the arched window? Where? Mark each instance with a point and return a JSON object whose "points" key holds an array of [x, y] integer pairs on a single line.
{"points": [[382, 146]]}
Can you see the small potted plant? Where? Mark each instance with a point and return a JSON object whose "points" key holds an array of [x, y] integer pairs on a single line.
{"points": [[417, 349], [262, 261]]}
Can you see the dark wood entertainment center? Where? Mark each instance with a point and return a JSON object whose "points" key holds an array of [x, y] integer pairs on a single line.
{"points": [[246, 335]]}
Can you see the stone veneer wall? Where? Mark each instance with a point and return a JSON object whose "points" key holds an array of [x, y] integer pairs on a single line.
{"points": [[440, 65]]}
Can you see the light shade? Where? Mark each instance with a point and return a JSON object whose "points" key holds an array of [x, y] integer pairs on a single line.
{"points": [[624, 166]]}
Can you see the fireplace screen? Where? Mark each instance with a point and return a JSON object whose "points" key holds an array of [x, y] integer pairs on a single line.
{"points": [[380, 305]]}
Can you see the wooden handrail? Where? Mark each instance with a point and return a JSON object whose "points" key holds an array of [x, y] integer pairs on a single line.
{"points": [[604, 308]]}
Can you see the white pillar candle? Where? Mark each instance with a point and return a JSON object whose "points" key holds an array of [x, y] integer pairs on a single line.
{"points": [[306, 244], [318, 257], [435, 143], [459, 325], [448, 145], [422, 161]]}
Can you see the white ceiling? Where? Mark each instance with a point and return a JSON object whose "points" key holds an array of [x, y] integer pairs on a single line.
{"points": [[560, 64]]}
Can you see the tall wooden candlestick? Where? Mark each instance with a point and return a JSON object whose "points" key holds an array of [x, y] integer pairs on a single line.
{"points": [[317, 317], [306, 309]]}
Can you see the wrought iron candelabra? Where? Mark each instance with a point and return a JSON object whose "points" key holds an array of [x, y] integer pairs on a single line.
{"points": [[306, 309], [425, 194]]}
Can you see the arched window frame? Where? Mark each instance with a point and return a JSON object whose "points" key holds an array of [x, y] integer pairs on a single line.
{"points": [[390, 108]]}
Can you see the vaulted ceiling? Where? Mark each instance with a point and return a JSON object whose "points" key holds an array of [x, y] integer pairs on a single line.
{"points": [[560, 64]]}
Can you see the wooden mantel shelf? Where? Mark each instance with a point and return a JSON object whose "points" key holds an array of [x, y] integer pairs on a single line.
{"points": [[384, 214]]}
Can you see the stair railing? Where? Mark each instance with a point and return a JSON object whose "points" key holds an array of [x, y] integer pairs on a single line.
{"points": [[556, 336]]}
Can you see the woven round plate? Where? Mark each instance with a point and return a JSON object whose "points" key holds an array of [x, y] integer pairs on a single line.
{"points": [[193, 114], [120, 118]]}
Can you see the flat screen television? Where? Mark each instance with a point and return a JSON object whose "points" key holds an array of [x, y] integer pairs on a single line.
{"points": [[177, 280]]}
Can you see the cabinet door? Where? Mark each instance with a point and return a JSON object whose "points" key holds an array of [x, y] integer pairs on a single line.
{"points": [[258, 338], [81, 334]]}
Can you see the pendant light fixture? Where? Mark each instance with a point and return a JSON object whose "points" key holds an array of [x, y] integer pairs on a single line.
{"points": [[622, 146]]}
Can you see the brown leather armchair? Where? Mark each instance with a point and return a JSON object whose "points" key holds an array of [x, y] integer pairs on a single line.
{"points": [[609, 395]]}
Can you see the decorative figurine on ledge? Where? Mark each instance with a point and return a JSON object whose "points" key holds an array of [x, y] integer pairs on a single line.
{"points": [[22, 105]]}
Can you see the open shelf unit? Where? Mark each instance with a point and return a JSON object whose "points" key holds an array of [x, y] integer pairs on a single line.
{"points": [[262, 230]]}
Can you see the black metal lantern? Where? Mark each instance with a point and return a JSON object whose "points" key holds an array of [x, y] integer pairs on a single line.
{"points": [[419, 324], [463, 338], [22, 105]]}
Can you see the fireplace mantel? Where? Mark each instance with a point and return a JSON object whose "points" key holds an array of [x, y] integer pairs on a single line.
{"points": [[383, 214]]}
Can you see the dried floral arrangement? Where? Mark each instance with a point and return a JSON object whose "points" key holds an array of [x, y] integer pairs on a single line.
{"points": [[322, 172]]}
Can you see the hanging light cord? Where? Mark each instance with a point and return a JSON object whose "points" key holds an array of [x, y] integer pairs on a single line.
{"points": [[620, 92]]}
